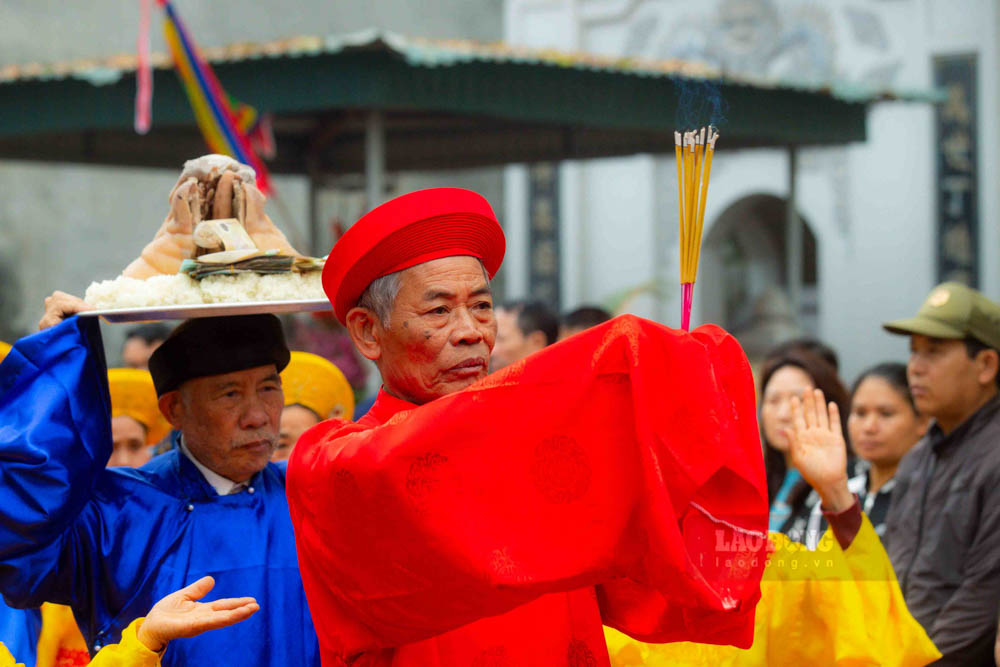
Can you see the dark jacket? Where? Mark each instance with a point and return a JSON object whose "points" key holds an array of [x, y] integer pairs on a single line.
{"points": [[943, 536]]}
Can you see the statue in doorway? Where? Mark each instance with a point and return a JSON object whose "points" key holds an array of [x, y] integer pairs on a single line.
{"points": [[771, 323]]}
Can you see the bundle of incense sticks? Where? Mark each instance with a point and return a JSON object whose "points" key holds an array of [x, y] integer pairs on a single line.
{"points": [[695, 150]]}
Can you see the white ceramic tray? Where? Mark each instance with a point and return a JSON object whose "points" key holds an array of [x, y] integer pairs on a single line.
{"points": [[153, 313]]}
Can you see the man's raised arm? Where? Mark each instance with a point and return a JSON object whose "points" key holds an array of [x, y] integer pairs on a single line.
{"points": [[54, 442]]}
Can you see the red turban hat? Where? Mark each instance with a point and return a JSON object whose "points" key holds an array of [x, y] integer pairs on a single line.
{"points": [[411, 229]]}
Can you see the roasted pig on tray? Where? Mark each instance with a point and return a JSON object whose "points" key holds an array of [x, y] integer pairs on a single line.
{"points": [[216, 218]]}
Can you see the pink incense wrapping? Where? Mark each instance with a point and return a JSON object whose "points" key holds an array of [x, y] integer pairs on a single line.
{"points": [[687, 297]]}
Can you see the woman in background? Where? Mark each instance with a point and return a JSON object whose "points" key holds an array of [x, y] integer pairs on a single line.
{"points": [[883, 425], [784, 376], [840, 605]]}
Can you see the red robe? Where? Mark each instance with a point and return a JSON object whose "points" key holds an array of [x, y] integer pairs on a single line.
{"points": [[615, 477]]}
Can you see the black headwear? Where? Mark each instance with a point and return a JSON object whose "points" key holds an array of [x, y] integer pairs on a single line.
{"points": [[217, 345]]}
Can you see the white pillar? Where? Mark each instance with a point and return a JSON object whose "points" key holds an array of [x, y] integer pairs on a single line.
{"points": [[794, 252], [516, 262], [374, 158]]}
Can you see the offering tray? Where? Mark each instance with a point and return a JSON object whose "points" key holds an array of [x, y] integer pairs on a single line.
{"points": [[188, 311]]}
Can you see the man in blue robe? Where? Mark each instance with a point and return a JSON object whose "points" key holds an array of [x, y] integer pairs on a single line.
{"points": [[111, 542]]}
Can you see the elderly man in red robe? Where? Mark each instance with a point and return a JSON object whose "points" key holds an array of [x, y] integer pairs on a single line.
{"points": [[475, 519]]}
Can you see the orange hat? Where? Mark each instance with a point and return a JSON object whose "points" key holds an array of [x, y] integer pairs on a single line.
{"points": [[311, 381], [411, 229], [133, 395]]}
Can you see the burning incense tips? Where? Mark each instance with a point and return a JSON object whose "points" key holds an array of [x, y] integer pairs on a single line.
{"points": [[694, 151]]}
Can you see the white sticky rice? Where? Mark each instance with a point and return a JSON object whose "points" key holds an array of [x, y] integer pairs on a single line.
{"points": [[180, 289]]}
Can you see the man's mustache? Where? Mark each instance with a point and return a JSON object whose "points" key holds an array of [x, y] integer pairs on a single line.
{"points": [[270, 438]]}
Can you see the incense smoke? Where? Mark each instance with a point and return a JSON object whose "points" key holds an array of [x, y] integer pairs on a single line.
{"points": [[699, 103]]}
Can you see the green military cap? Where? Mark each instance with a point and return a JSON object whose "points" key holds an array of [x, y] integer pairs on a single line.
{"points": [[954, 311]]}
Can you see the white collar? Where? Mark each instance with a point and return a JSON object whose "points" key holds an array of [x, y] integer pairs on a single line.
{"points": [[222, 485]]}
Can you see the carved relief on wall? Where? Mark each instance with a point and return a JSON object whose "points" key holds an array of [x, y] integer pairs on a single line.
{"points": [[795, 41]]}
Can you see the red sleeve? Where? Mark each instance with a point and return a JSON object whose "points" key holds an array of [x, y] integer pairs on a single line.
{"points": [[845, 524], [627, 458]]}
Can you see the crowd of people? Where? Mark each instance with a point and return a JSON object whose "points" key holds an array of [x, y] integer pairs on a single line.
{"points": [[944, 550], [924, 461], [504, 499]]}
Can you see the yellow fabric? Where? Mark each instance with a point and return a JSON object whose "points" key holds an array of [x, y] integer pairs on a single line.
{"points": [[133, 395], [60, 643], [6, 659], [129, 653], [4, 349], [312, 381], [825, 607]]}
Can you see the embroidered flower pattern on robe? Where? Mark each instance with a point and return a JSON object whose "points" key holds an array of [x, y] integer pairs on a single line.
{"points": [[423, 478], [580, 655], [561, 471], [494, 656], [72, 658]]}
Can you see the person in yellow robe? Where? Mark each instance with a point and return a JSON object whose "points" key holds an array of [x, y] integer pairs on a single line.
{"points": [[136, 421], [315, 390], [179, 614], [60, 643], [838, 605]]}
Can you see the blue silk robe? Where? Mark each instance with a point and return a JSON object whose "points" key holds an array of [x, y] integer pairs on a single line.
{"points": [[19, 630], [111, 542]]}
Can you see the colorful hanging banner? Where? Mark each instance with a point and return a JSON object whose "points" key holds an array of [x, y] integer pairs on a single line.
{"points": [[225, 125], [143, 72]]}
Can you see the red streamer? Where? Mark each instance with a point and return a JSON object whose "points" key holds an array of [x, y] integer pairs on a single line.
{"points": [[143, 72]]}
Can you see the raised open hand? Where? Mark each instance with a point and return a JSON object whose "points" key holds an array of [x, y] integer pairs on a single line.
{"points": [[181, 615], [817, 449]]}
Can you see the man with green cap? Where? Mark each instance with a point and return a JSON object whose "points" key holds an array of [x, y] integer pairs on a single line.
{"points": [[943, 528]]}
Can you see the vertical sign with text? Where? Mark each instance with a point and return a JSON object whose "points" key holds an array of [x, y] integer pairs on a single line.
{"points": [[543, 234], [957, 175]]}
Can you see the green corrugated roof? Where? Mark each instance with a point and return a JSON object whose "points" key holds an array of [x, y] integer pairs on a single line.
{"points": [[444, 53], [576, 104]]}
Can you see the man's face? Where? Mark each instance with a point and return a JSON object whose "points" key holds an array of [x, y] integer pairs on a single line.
{"points": [[513, 344], [129, 443], [565, 331], [295, 420], [441, 330], [230, 421], [944, 381], [136, 352]]}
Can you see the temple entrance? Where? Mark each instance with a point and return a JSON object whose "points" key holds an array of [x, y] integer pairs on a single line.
{"points": [[746, 290]]}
